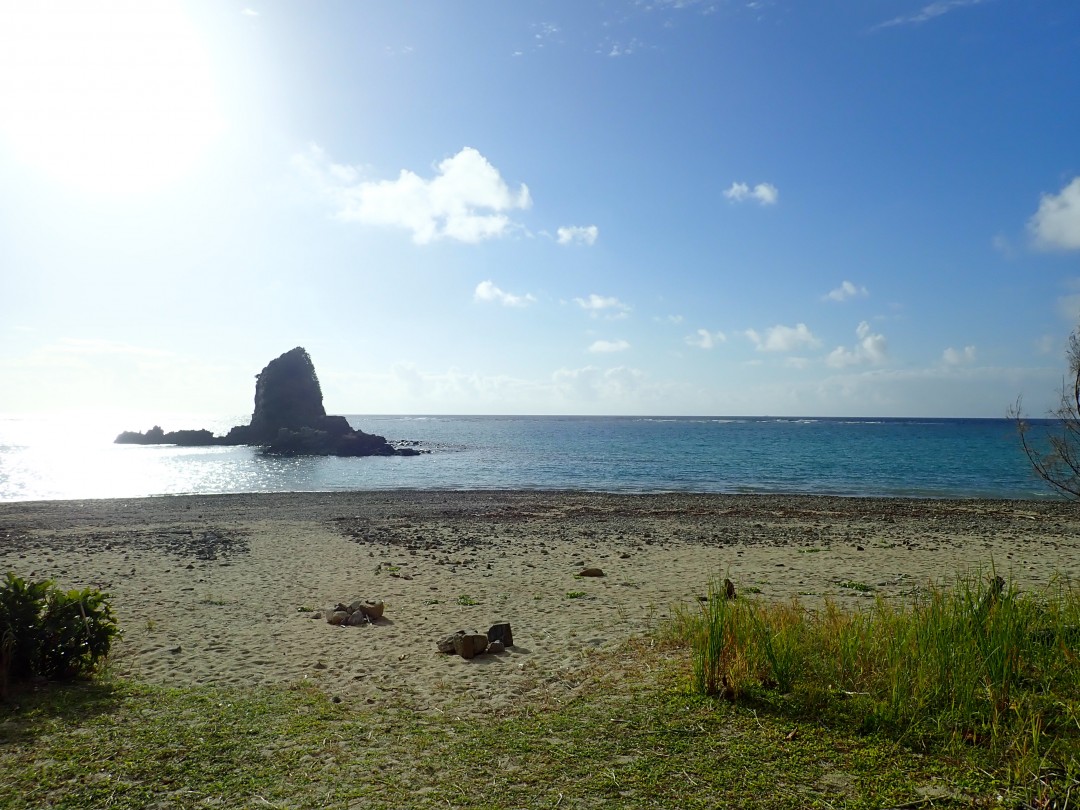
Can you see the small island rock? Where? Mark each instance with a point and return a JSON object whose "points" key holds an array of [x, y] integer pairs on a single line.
{"points": [[289, 419]]}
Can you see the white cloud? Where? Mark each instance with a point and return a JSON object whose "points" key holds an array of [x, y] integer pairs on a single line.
{"points": [[763, 193], [957, 357], [929, 12], [783, 338], [871, 348], [845, 291], [250, 12], [1002, 245], [577, 234], [618, 49], [467, 200], [1068, 307], [618, 385], [597, 305], [608, 346], [704, 339], [486, 291], [1056, 225]]}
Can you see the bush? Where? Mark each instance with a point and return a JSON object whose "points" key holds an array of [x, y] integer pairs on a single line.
{"points": [[51, 633]]}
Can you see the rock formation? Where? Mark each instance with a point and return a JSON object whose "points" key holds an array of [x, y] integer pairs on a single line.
{"points": [[289, 419]]}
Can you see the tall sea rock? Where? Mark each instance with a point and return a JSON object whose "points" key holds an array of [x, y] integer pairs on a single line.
{"points": [[287, 395], [289, 419]]}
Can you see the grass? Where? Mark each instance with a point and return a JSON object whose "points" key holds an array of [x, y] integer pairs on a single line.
{"points": [[575, 594], [635, 734], [634, 742], [467, 601], [978, 671]]}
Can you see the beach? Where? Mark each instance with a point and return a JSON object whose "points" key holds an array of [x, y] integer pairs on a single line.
{"points": [[232, 589]]}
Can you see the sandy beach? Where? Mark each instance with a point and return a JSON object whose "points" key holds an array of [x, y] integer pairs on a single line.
{"points": [[228, 589]]}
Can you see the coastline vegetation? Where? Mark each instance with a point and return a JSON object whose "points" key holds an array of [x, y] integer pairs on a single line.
{"points": [[969, 697], [976, 670]]}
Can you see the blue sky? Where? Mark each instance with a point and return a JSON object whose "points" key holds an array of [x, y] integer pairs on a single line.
{"points": [[622, 207]]}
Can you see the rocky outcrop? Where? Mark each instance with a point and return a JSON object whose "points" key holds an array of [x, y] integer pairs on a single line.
{"points": [[289, 419]]}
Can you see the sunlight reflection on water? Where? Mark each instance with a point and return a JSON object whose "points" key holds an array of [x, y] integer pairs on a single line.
{"points": [[69, 458]]}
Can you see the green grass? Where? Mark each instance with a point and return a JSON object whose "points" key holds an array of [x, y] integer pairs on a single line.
{"points": [[467, 601], [806, 723], [635, 742], [963, 672], [575, 594]]}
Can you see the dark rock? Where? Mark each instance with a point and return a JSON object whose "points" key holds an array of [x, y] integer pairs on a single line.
{"points": [[373, 610], [287, 395], [289, 419], [495, 647], [729, 589], [338, 617], [184, 438], [357, 619], [501, 632], [470, 645], [591, 572], [447, 644]]}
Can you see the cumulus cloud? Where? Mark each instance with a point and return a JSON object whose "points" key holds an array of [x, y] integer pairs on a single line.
{"points": [[467, 200], [577, 235], [845, 291], [783, 338], [487, 292], [704, 339], [608, 346], [597, 305], [958, 357], [870, 348], [763, 193], [1056, 225]]}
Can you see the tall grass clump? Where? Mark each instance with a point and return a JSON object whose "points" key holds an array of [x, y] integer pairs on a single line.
{"points": [[980, 666]]}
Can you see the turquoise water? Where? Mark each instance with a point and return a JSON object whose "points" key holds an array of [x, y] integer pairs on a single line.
{"points": [[42, 460]]}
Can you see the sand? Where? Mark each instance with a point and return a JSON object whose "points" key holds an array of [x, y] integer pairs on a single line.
{"points": [[222, 590]]}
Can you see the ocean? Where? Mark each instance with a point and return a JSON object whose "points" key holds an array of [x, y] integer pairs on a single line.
{"points": [[70, 458]]}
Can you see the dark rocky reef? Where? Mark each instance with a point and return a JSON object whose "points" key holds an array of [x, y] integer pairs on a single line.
{"points": [[289, 419]]}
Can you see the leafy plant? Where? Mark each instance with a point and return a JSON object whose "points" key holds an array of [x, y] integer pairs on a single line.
{"points": [[467, 600], [21, 606], [852, 585], [51, 633]]}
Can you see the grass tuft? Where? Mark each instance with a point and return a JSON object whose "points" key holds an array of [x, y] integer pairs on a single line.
{"points": [[979, 666]]}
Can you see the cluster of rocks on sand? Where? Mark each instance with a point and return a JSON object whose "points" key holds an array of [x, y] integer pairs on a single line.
{"points": [[466, 643], [355, 614], [469, 643]]}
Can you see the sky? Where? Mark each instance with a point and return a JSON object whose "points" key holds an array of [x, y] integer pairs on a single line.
{"points": [[666, 207]]}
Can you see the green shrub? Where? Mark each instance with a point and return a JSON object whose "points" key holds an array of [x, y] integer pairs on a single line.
{"points": [[51, 633]]}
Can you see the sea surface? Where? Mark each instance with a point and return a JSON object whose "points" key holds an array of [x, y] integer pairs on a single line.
{"points": [[68, 458]]}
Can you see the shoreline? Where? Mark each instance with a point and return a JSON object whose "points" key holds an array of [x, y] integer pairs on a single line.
{"points": [[220, 589]]}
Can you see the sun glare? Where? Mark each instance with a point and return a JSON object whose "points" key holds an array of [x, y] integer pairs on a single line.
{"points": [[109, 96]]}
